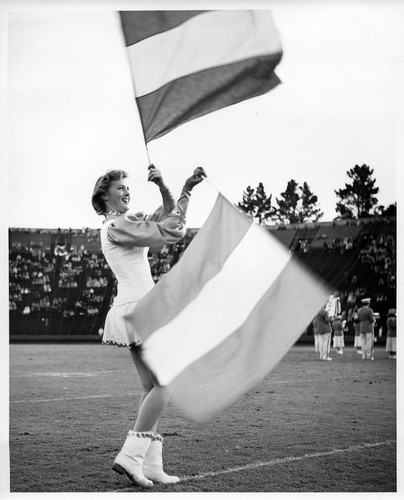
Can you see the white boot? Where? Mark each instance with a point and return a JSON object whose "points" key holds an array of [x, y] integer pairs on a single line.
{"points": [[153, 463], [130, 459]]}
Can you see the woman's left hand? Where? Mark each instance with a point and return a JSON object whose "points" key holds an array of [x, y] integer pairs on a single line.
{"points": [[197, 177]]}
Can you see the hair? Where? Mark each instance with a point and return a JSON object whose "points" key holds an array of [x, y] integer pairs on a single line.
{"points": [[102, 186]]}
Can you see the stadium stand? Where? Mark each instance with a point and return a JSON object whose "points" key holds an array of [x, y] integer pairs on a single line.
{"points": [[60, 287]]}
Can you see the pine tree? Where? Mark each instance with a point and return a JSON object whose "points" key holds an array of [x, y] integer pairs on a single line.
{"points": [[287, 210], [247, 205], [257, 204], [309, 208], [263, 204], [358, 199], [297, 204]]}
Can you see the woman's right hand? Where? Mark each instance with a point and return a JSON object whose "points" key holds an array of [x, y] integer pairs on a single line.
{"points": [[154, 175]]}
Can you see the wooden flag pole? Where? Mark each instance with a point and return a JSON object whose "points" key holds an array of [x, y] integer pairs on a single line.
{"points": [[147, 152]]}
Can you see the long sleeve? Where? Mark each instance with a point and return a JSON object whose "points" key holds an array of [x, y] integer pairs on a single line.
{"points": [[129, 230], [181, 207], [168, 199], [183, 200], [170, 206]]}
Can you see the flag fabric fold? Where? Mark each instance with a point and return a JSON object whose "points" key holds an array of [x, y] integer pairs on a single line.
{"points": [[186, 64], [226, 313]]}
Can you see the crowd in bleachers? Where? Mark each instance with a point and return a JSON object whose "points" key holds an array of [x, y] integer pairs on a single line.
{"points": [[63, 274], [161, 262], [379, 251], [42, 278], [62, 279]]}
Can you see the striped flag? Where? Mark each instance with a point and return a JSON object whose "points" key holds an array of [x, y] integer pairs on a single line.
{"points": [[186, 64], [226, 313]]}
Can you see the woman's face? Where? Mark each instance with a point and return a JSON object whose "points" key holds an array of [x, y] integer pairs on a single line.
{"points": [[117, 197]]}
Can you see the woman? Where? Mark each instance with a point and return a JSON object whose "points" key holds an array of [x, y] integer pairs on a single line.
{"points": [[125, 240]]}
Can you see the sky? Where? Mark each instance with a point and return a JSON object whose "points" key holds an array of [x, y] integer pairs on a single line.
{"points": [[72, 114]]}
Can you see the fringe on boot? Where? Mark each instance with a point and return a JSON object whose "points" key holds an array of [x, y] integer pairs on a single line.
{"points": [[153, 463], [130, 459]]}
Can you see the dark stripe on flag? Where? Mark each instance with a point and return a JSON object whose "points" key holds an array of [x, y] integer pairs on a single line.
{"points": [[201, 93], [140, 24]]}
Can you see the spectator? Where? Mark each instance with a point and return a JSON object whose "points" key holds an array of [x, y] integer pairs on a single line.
{"points": [[333, 306], [366, 328], [357, 339], [316, 335], [391, 347], [338, 334], [324, 334]]}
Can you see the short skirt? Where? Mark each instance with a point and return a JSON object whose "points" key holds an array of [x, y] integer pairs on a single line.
{"points": [[119, 328], [358, 341], [338, 341], [391, 344]]}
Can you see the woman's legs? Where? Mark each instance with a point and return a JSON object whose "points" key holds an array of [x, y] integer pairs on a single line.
{"points": [[154, 398], [141, 457], [151, 409], [132, 457]]}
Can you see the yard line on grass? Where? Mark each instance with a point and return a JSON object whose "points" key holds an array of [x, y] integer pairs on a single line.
{"points": [[273, 462], [280, 461], [300, 381], [51, 400], [65, 374]]}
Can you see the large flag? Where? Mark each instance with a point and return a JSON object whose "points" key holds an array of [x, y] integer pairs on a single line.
{"points": [[226, 313], [186, 64]]}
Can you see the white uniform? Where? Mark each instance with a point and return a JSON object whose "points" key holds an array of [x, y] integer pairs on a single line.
{"points": [[125, 242]]}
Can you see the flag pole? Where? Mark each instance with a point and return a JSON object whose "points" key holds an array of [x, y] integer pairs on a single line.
{"points": [[147, 152]]}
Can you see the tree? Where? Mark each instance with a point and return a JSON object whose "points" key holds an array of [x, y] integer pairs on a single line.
{"points": [[298, 204], [390, 211], [263, 204], [358, 198], [287, 207], [257, 204], [309, 208], [247, 205]]}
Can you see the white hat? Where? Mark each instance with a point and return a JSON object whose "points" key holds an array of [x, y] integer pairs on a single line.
{"points": [[366, 300]]}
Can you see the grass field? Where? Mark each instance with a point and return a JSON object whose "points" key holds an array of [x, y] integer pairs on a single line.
{"points": [[309, 426]]}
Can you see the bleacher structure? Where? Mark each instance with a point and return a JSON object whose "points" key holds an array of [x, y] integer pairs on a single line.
{"points": [[60, 287]]}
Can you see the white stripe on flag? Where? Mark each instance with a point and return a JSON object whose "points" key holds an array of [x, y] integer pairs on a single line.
{"points": [[222, 306], [216, 380], [208, 40]]}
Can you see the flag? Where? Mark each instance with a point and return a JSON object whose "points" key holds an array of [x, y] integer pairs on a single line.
{"points": [[224, 316], [186, 64]]}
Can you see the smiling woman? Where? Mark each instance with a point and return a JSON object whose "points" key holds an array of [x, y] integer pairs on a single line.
{"points": [[125, 240]]}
